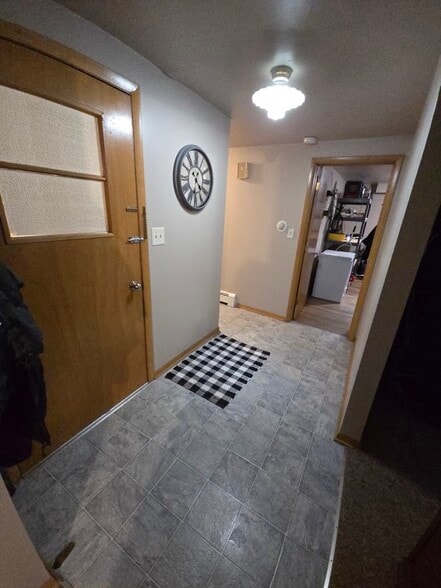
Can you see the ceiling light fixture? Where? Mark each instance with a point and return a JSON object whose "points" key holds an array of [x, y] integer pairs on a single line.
{"points": [[278, 98]]}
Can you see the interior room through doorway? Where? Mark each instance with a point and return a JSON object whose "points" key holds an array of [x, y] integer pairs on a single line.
{"points": [[347, 205]]}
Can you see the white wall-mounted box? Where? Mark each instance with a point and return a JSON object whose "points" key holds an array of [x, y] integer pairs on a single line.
{"points": [[243, 170]]}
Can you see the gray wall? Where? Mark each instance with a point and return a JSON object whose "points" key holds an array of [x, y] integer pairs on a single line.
{"points": [[185, 272], [409, 224], [258, 260]]}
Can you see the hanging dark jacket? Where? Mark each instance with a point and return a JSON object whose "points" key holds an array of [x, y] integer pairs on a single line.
{"points": [[22, 388]]}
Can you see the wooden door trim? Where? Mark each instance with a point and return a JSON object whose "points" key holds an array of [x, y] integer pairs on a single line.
{"points": [[51, 171], [303, 236], [53, 49], [396, 161], [135, 98], [376, 243], [20, 87], [358, 160]]}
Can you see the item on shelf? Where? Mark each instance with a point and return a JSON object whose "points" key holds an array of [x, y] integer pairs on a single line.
{"points": [[354, 189], [354, 210], [336, 237]]}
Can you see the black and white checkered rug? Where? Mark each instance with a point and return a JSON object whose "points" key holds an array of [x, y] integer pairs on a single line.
{"points": [[219, 369]]}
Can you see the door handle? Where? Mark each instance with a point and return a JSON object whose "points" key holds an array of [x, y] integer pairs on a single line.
{"points": [[135, 239], [135, 286]]}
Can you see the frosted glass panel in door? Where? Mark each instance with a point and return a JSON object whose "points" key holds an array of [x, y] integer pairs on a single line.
{"points": [[39, 132], [43, 205]]}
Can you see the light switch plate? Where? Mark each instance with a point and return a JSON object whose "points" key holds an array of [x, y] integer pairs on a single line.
{"points": [[158, 235], [290, 234]]}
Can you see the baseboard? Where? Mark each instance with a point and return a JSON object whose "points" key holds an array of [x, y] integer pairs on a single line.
{"points": [[278, 317], [14, 474], [52, 582], [186, 352], [346, 441]]}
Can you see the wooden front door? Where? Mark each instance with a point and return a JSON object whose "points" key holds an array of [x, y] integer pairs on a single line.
{"points": [[69, 204]]}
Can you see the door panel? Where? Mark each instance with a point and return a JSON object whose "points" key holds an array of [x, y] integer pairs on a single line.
{"points": [[318, 206], [77, 286]]}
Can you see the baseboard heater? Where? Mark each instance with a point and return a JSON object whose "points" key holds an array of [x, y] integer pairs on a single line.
{"points": [[228, 298]]}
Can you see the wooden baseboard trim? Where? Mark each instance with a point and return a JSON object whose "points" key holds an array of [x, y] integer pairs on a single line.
{"points": [[51, 583], [14, 474], [278, 317], [186, 352], [346, 441]]}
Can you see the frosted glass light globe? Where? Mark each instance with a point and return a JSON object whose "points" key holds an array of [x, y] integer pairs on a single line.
{"points": [[278, 99]]}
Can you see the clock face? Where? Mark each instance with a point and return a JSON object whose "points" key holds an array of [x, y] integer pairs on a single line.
{"points": [[192, 178]]}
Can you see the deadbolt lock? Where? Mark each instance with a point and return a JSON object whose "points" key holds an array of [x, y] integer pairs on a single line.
{"points": [[135, 239], [135, 286]]}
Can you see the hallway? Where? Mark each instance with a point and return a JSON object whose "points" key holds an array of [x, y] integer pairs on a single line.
{"points": [[173, 491], [331, 316]]}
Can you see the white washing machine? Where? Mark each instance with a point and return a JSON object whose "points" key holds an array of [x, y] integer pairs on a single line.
{"points": [[333, 272]]}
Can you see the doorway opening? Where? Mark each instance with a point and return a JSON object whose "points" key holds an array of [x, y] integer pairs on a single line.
{"points": [[345, 214]]}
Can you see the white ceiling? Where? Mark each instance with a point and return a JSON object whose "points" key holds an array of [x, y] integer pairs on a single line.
{"points": [[364, 65], [369, 174]]}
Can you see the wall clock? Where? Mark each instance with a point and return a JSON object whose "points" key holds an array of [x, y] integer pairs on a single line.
{"points": [[192, 178]]}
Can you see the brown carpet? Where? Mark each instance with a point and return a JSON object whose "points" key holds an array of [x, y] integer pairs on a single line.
{"points": [[383, 515]]}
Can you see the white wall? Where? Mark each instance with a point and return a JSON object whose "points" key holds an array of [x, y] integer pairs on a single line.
{"points": [[258, 260], [185, 272], [321, 199], [409, 224], [374, 213], [337, 177], [328, 179], [347, 226]]}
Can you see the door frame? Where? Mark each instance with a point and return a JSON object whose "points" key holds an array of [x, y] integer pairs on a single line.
{"points": [[396, 160], [68, 56], [314, 180]]}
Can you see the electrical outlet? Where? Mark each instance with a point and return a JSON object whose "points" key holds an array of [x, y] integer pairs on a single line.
{"points": [[290, 234], [158, 235]]}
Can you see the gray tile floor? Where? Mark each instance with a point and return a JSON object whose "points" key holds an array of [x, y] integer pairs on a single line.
{"points": [[172, 491]]}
